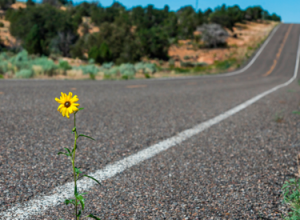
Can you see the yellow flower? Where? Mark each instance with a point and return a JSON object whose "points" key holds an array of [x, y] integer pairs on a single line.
{"points": [[67, 104]]}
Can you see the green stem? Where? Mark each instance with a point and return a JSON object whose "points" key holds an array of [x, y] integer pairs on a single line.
{"points": [[73, 164]]}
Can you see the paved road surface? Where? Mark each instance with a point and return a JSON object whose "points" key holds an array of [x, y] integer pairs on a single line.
{"points": [[233, 170]]}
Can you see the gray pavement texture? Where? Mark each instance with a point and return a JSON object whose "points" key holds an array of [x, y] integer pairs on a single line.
{"points": [[233, 170]]}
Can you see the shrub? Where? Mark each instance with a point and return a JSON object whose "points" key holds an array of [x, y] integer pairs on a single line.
{"points": [[186, 57], [291, 196], [127, 71], [3, 66], [21, 60], [150, 68], [139, 67], [64, 65], [171, 62], [1, 25], [111, 73], [223, 65], [213, 35], [24, 73], [107, 65], [47, 65], [89, 69]]}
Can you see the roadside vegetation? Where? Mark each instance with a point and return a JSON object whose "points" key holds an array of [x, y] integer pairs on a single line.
{"points": [[128, 41]]}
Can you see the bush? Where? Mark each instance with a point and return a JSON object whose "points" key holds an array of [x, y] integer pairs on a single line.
{"points": [[213, 35], [291, 196], [111, 73], [24, 73], [171, 62], [223, 65], [47, 65], [192, 64], [89, 69], [127, 71], [140, 67], [150, 68], [3, 66], [107, 65], [1, 25], [64, 65]]}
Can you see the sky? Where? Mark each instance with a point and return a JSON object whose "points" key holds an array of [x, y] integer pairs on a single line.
{"points": [[289, 10]]}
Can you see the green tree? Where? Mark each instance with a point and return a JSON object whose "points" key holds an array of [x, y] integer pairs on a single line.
{"points": [[44, 22], [30, 3], [5, 4]]}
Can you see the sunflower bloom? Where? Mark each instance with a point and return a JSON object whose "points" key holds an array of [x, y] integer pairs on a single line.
{"points": [[67, 104]]}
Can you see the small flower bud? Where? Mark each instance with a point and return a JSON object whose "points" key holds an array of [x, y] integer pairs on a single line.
{"points": [[74, 129]]}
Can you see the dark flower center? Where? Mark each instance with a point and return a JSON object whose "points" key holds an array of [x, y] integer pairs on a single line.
{"points": [[67, 104]]}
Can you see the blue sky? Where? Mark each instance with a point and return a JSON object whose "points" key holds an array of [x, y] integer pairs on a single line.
{"points": [[289, 10]]}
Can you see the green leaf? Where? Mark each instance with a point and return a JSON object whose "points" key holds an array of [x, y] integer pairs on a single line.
{"points": [[77, 170], [78, 110], [67, 149], [296, 112], [82, 135], [94, 217], [79, 213], [62, 153], [81, 200], [70, 201], [93, 179]]}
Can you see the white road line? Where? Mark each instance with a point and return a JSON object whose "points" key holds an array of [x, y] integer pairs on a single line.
{"points": [[40, 205]]}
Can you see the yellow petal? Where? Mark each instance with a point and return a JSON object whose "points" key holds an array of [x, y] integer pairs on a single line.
{"points": [[59, 101], [62, 109], [70, 95], [76, 104], [74, 99], [67, 113], [70, 110], [74, 108], [60, 106], [63, 112]]}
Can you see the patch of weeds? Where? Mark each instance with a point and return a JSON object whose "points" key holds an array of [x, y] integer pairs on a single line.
{"points": [[296, 112], [278, 117], [186, 57], [1, 76], [180, 70], [223, 65], [290, 90], [171, 62], [291, 196], [92, 76], [250, 48], [147, 76]]}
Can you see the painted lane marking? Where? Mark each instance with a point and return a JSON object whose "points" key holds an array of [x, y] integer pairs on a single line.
{"points": [[41, 204], [279, 51]]}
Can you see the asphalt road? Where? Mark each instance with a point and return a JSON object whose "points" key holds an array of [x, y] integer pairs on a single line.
{"points": [[233, 170]]}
